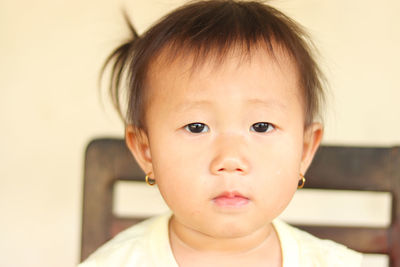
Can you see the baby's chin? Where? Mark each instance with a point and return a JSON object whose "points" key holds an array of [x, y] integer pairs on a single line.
{"points": [[236, 230]]}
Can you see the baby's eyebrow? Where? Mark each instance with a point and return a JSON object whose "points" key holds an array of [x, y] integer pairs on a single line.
{"points": [[193, 104], [250, 102], [266, 103]]}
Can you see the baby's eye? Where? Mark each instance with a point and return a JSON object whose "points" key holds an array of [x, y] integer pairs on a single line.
{"points": [[196, 127], [262, 127]]}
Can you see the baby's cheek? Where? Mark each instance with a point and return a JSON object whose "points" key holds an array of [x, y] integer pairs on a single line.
{"points": [[274, 198], [176, 180], [286, 154], [276, 181]]}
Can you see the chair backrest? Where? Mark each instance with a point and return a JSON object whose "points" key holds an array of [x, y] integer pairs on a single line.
{"points": [[334, 167], [360, 169]]}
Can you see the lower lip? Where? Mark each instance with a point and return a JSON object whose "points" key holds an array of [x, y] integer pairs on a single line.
{"points": [[231, 201]]}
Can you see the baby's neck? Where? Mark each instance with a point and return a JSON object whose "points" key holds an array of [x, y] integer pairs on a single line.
{"points": [[259, 248]]}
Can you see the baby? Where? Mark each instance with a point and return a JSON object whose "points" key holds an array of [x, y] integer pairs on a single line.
{"points": [[224, 101]]}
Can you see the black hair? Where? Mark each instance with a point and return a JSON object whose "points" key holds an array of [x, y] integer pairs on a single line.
{"points": [[212, 28]]}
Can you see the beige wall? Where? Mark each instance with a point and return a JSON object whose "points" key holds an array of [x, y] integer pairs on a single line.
{"points": [[50, 54]]}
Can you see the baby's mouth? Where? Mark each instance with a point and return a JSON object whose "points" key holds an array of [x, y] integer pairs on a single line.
{"points": [[231, 199]]}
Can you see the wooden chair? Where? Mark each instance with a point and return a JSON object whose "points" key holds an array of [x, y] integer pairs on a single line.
{"points": [[334, 167]]}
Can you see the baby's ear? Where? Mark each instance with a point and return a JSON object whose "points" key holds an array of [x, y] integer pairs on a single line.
{"points": [[138, 143], [312, 138]]}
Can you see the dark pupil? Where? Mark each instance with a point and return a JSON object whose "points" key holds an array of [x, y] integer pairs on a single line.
{"points": [[261, 127], [196, 127]]}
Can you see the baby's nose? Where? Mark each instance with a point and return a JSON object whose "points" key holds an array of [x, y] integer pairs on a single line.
{"points": [[229, 165], [230, 157]]}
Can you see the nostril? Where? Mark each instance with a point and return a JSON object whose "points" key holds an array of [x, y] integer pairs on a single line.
{"points": [[237, 169]]}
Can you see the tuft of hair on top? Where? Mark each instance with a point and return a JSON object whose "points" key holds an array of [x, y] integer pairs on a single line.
{"points": [[210, 29]]}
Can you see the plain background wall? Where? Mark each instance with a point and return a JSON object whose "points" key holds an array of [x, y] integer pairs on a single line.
{"points": [[50, 55]]}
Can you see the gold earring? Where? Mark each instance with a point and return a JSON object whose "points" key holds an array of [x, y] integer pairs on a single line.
{"points": [[302, 181], [150, 181]]}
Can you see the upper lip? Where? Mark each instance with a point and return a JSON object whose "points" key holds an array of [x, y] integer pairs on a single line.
{"points": [[230, 194]]}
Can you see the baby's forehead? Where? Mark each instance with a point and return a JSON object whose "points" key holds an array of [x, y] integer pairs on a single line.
{"points": [[187, 78], [213, 60]]}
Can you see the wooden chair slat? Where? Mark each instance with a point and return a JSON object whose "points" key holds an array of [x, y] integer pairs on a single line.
{"points": [[365, 240]]}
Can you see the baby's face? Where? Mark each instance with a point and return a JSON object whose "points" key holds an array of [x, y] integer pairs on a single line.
{"points": [[226, 143]]}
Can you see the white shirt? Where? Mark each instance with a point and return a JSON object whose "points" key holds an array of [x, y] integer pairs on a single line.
{"points": [[146, 244]]}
